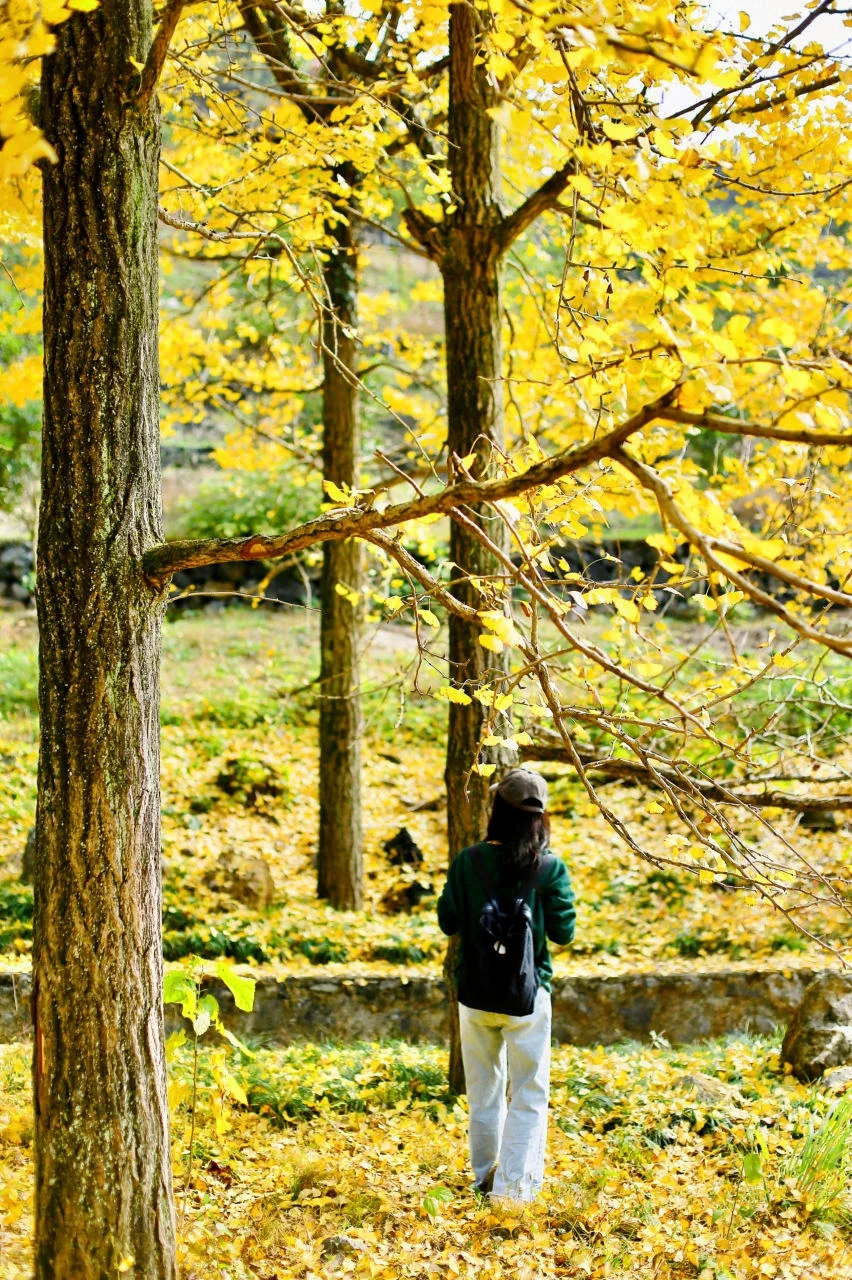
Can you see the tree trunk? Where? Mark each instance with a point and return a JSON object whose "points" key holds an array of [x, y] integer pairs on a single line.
{"points": [[340, 875], [471, 273], [103, 1193]]}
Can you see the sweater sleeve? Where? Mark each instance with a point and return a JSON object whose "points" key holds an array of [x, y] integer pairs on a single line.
{"points": [[558, 900], [448, 903]]}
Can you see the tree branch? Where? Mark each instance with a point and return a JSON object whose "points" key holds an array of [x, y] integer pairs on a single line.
{"points": [[755, 108], [168, 558], [542, 199], [651, 480], [160, 562], [734, 427], [273, 45], [612, 770], [156, 59]]}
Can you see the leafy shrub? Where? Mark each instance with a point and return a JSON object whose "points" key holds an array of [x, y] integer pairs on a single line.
{"points": [[321, 950], [213, 943], [238, 503], [691, 943], [20, 451], [16, 903], [398, 951], [788, 942]]}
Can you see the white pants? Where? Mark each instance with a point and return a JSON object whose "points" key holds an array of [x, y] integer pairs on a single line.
{"points": [[511, 1138]]}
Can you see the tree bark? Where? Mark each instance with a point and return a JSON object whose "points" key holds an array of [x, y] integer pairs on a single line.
{"points": [[340, 868], [103, 1193], [471, 270]]}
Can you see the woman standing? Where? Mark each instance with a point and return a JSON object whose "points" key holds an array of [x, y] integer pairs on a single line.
{"points": [[505, 898]]}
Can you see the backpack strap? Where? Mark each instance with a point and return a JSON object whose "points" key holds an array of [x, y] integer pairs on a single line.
{"points": [[534, 879], [482, 873]]}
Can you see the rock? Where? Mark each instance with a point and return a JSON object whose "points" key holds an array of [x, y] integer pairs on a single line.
{"points": [[708, 1090], [819, 1035], [16, 561], [335, 1249], [249, 780], [404, 897], [838, 1079], [348, 1245], [249, 881], [28, 858], [401, 849]]}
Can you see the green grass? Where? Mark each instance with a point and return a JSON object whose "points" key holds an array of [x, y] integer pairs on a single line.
{"points": [[18, 681], [308, 1079]]}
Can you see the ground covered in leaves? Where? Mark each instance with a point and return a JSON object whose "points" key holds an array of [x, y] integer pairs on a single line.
{"points": [[706, 1162], [239, 783]]}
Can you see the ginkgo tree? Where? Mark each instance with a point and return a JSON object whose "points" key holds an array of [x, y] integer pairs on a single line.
{"points": [[288, 226], [648, 328], [646, 348]]}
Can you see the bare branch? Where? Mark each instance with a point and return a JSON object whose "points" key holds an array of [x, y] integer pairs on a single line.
{"points": [[614, 770], [737, 427], [182, 223], [156, 59]]}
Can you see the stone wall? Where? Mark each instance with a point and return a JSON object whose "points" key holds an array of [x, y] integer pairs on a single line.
{"points": [[683, 1007]]}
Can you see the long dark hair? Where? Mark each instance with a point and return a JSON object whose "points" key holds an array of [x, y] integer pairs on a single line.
{"points": [[523, 837]]}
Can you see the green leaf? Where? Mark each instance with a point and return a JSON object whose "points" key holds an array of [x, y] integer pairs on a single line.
{"points": [[434, 1198], [242, 989], [201, 1022], [752, 1166], [234, 1040], [210, 1005], [179, 988]]}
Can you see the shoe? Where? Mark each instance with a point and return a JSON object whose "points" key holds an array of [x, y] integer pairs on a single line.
{"points": [[484, 1187]]}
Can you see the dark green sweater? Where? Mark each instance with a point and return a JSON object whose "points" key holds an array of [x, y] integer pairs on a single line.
{"points": [[551, 902]]}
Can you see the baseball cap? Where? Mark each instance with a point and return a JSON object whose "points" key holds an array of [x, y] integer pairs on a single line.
{"points": [[523, 789]]}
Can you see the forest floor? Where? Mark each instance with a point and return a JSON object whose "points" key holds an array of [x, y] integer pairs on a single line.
{"points": [[239, 778], [701, 1161], [694, 1163]]}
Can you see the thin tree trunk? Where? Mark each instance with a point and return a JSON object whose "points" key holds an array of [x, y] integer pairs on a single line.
{"points": [[471, 273], [340, 862], [103, 1194], [340, 875]]}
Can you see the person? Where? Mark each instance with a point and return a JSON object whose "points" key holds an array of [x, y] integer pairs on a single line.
{"points": [[507, 1141]]}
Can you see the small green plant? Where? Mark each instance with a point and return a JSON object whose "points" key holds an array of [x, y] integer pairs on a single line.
{"points": [[16, 914], [689, 943], [321, 950], [184, 987], [434, 1198], [398, 951]]}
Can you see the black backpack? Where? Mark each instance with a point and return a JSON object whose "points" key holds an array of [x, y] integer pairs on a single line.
{"points": [[498, 972]]}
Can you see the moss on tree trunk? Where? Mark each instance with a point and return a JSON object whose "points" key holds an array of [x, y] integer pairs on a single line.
{"points": [[103, 1182]]}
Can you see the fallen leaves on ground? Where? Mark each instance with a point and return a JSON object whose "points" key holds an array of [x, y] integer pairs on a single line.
{"points": [[240, 781], [354, 1161]]}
